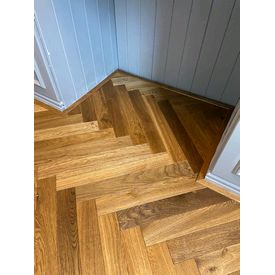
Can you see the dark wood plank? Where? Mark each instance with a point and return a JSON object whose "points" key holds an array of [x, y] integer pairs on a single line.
{"points": [[67, 233], [144, 214], [75, 111], [88, 110], [182, 136], [119, 124], [89, 239], [101, 109], [45, 238], [130, 117], [149, 128], [205, 241]]}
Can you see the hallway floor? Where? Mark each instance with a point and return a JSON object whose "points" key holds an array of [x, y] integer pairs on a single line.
{"points": [[115, 185]]}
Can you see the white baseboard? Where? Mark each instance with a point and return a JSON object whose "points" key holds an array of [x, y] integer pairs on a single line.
{"points": [[59, 105]]}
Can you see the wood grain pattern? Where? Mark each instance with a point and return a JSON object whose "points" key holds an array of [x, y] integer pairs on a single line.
{"points": [[160, 259], [135, 252], [88, 110], [45, 228], [188, 267], [112, 245], [182, 137], [148, 126], [186, 223], [143, 179], [205, 241], [147, 213], [67, 233], [132, 122], [89, 239], [223, 261]]}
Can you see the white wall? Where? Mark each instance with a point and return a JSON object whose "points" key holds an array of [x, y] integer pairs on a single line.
{"points": [[189, 44], [80, 37]]}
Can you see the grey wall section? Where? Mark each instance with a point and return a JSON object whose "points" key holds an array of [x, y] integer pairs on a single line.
{"points": [[193, 45], [80, 37]]}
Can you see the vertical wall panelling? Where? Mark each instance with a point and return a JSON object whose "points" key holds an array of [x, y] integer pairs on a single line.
{"points": [[195, 35], [147, 28], [231, 92], [215, 33], [133, 35], [121, 25], [96, 39], [82, 34], [52, 41], [113, 32], [227, 55], [67, 32], [161, 41], [180, 20], [104, 16]]}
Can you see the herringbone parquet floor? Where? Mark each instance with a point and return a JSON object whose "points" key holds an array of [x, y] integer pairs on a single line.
{"points": [[116, 190]]}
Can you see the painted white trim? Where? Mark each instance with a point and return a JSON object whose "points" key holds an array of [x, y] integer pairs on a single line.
{"points": [[40, 81], [59, 105], [222, 183]]}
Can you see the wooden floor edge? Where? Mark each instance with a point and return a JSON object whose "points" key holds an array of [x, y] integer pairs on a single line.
{"points": [[183, 92], [220, 190]]}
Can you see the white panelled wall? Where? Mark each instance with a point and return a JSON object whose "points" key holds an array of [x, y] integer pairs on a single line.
{"points": [[192, 45]]}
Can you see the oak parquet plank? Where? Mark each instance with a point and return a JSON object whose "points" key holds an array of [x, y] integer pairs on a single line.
{"points": [[205, 241], [57, 143], [160, 259], [82, 149], [182, 137], [112, 246], [182, 224], [67, 233], [45, 238], [131, 121], [148, 126], [88, 110], [89, 239], [113, 169], [146, 213], [58, 122], [65, 131], [164, 130], [135, 252], [75, 111], [101, 109], [142, 180], [235, 273], [223, 261], [157, 191], [38, 108], [188, 267]]}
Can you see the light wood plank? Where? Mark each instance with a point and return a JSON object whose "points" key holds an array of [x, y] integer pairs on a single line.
{"points": [[223, 261], [112, 246], [45, 228], [142, 179], [38, 108], [158, 191], [205, 241], [186, 223], [132, 122], [113, 169], [135, 252], [89, 239], [188, 267], [67, 233], [164, 130], [65, 131], [160, 260], [147, 213], [148, 126]]}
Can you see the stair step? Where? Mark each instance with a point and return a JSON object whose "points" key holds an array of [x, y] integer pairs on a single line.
{"points": [[82, 149], [104, 170], [73, 165], [64, 131]]}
